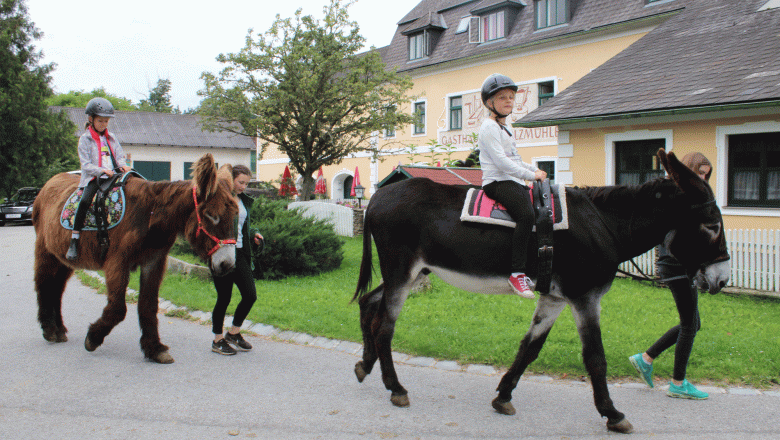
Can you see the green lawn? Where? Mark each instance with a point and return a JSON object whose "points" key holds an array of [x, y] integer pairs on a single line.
{"points": [[739, 342]]}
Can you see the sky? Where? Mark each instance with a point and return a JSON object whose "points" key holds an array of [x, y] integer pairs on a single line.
{"points": [[126, 46]]}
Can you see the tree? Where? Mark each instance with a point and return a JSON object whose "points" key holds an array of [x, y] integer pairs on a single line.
{"points": [[304, 87], [81, 98], [159, 99], [34, 142]]}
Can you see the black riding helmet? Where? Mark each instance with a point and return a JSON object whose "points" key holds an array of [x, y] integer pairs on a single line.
{"points": [[492, 85], [100, 107]]}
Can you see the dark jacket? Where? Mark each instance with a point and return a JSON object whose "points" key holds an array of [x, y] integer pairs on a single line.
{"points": [[247, 233]]}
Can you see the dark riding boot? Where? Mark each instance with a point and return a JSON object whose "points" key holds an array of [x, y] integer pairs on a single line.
{"points": [[73, 251]]}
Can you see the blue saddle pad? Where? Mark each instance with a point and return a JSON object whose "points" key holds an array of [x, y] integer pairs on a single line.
{"points": [[115, 209]]}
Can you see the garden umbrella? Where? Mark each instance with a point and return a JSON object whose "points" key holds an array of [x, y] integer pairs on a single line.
{"points": [[287, 188], [355, 182], [320, 187]]}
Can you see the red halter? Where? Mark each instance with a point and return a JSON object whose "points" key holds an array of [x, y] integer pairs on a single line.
{"points": [[201, 228]]}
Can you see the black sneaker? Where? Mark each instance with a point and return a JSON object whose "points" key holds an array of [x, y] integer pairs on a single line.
{"points": [[222, 347], [238, 341]]}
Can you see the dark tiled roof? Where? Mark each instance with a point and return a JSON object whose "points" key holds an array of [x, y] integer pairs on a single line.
{"points": [[166, 129], [715, 53], [447, 176], [586, 15]]}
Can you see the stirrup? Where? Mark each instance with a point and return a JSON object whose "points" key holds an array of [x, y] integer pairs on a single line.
{"points": [[73, 251]]}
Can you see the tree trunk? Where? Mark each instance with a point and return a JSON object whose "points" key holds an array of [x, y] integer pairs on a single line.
{"points": [[307, 188]]}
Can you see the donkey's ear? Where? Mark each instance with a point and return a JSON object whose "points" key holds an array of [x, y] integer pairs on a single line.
{"points": [[685, 178], [225, 173], [204, 176]]}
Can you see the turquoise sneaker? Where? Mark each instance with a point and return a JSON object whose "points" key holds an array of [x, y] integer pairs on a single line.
{"points": [[644, 369], [686, 391]]}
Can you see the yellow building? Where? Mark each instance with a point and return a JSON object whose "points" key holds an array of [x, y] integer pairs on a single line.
{"points": [[448, 47], [620, 76]]}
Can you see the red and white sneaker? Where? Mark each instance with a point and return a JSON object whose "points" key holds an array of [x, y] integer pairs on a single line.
{"points": [[520, 284]]}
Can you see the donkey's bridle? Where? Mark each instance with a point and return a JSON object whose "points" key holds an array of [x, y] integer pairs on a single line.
{"points": [[218, 242]]}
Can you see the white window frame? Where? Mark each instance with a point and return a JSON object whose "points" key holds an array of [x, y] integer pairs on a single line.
{"points": [[422, 47], [636, 135], [722, 134], [495, 22], [535, 161]]}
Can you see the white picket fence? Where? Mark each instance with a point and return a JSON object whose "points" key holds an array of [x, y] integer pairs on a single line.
{"points": [[755, 259], [340, 216]]}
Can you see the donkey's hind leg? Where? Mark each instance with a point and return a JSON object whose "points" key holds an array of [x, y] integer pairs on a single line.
{"points": [[369, 305], [50, 279], [586, 313], [547, 310], [383, 329]]}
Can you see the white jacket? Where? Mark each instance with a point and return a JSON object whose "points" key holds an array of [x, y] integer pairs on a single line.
{"points": [[498, 156]]}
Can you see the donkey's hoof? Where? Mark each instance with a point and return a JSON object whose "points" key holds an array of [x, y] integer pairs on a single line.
{"points": [[360, 372], [401, 400], [504, 407], [55, 336], [623, 426], [163, 358], [89, 345]]}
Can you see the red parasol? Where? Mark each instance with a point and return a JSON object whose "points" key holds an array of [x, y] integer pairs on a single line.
{"points": [[355, 182], [320, 187], [287, 189]]}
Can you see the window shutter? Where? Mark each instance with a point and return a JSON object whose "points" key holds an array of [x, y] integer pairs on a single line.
{"points": [[474, 32]]}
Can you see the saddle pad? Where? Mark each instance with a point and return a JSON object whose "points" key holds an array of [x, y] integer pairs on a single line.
{"points": [[480, 208], [115, 210]]}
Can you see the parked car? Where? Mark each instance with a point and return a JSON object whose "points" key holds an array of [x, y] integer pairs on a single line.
{"points": [[19, 207]]}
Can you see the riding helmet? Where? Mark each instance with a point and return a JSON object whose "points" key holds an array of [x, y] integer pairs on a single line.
{"points": [[494, 83], [100, 107]]}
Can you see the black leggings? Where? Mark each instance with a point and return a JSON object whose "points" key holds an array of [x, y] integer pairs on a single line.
{"points": [[517, 201], [241, 276], [687, 299], [86, 200]]}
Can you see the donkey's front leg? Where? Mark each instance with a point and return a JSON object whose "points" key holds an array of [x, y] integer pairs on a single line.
{"points": [[547, 310], [117, 274], [586, 314], [152, 273]]}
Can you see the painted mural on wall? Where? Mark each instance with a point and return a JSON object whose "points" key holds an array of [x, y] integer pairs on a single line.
{"points": [[473, 112]]}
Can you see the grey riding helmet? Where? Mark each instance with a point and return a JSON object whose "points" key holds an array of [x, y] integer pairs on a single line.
{"points": [[493, 84], [100, 107]]}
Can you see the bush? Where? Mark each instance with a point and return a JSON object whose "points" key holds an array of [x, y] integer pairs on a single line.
{"points": [[294, 245]]}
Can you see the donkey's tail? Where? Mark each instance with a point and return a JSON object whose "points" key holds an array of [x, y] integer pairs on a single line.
{"points": [[366, 264]]}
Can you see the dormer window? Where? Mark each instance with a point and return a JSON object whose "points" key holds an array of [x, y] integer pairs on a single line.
{"points": [[551, 13], [491, 20], [418, 46], [493, 26]]}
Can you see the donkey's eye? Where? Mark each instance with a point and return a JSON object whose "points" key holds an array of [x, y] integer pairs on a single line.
{"points": [[712, 229], [213, 218]]}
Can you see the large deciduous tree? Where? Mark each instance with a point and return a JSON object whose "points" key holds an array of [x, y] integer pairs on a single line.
{"points": [[34, 142], [305, 87]]}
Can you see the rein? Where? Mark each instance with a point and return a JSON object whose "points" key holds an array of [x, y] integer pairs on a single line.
{"points": [[218, 242]]}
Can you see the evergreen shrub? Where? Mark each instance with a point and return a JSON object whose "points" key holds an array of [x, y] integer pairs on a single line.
{"points": [[294, 245]]}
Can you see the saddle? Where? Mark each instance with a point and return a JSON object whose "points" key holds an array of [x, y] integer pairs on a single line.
{"points": [[106, 211], [549, 202]]}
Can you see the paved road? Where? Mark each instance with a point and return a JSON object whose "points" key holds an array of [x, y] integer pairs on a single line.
{"points": [[282, 390]]}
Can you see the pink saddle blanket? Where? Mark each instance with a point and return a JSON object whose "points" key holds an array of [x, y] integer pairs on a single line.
{"points": [[480, 208]]}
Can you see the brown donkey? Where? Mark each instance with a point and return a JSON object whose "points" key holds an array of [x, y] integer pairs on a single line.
{"points": [[202, 210]]}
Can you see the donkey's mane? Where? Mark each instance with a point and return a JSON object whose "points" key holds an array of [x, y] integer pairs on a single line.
{"points": [[623, 195]]}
